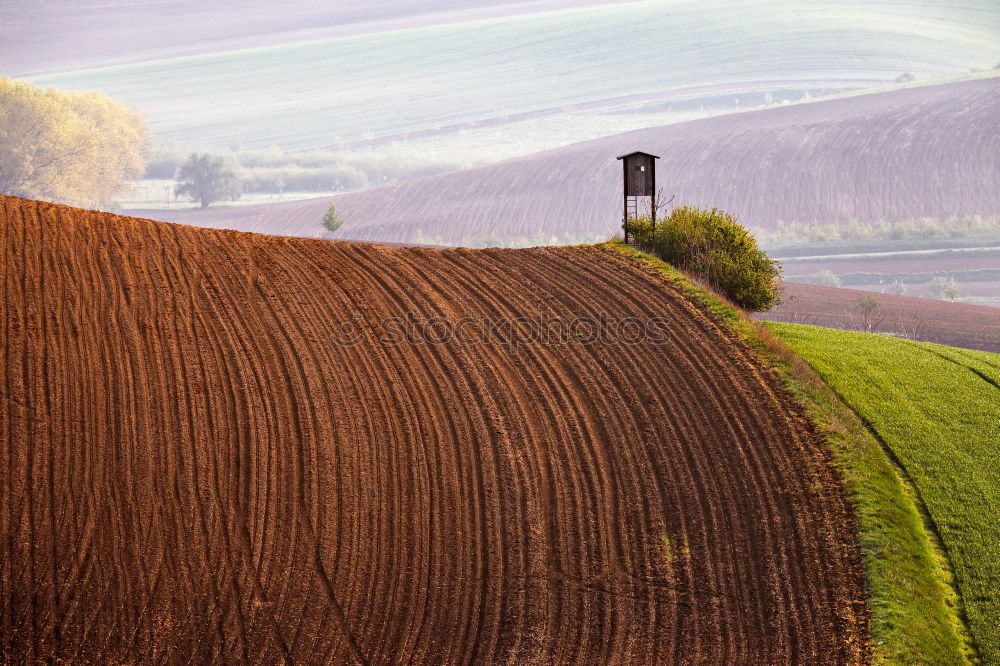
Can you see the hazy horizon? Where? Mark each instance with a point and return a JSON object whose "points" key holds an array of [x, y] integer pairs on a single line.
{"points": [[465, 83]]}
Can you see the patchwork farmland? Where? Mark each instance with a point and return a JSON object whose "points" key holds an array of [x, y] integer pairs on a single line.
{"points": [[199, 466], [868, 157], [491, 80]]}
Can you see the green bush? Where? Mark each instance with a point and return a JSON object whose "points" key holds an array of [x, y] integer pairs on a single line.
{"points": [[332, 220], [713, 246]]}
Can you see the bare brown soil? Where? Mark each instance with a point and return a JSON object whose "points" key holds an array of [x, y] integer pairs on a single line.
{"points": [[956, 324], [194, 471]]}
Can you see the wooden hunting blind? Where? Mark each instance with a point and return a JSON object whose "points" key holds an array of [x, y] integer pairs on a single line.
{"points": [[639, 170]]}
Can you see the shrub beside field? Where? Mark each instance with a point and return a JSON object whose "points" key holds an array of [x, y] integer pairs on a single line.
{"points": [[712, 245], [935, 410]]}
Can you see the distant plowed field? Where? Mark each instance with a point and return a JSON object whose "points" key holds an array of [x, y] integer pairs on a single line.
{"points": [[198, 467], [931, 152], [956, 324]]}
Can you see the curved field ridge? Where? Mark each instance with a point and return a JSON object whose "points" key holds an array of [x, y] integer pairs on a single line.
{"points": [[194, 471], [930, 151]]}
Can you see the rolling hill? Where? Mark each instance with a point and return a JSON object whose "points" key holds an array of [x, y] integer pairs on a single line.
{"points": [[61, 35], [976, 270], [513, 81], [218, 447], [929, 151]]}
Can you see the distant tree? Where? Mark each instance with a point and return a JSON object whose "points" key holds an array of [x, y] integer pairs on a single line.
{"points": [[825, 278], [897, 288], [914, 329], [796, 316], [905, 77], [74, 148], [332, 220], [869, 314], [945, 287], [206, 179], [937, 285]]}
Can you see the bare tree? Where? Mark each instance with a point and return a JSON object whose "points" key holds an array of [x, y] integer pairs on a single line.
{"points": [[657, 202], [867, 314], [800, 317], [915, 328]]}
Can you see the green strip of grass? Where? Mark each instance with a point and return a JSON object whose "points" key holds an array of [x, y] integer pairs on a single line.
{"points": [[937, 409], [916, 616]]}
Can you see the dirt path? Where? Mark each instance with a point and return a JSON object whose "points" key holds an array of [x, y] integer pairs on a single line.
{"points": [[193, 470]]}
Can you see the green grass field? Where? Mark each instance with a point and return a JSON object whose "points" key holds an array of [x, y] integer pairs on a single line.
{"points": [[936, 410]]}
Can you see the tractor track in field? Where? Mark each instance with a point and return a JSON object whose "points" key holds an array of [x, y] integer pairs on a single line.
{"points": [[195, 470]]}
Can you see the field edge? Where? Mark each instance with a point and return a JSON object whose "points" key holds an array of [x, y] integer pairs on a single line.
{"points": [[941, 561], [916, 616]]}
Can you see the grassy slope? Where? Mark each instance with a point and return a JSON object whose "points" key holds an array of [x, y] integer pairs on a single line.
{"points": [[915, 612], [936, 408]]}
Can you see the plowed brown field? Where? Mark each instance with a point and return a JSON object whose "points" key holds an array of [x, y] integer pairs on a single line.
{"points": [[194, 471]]}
